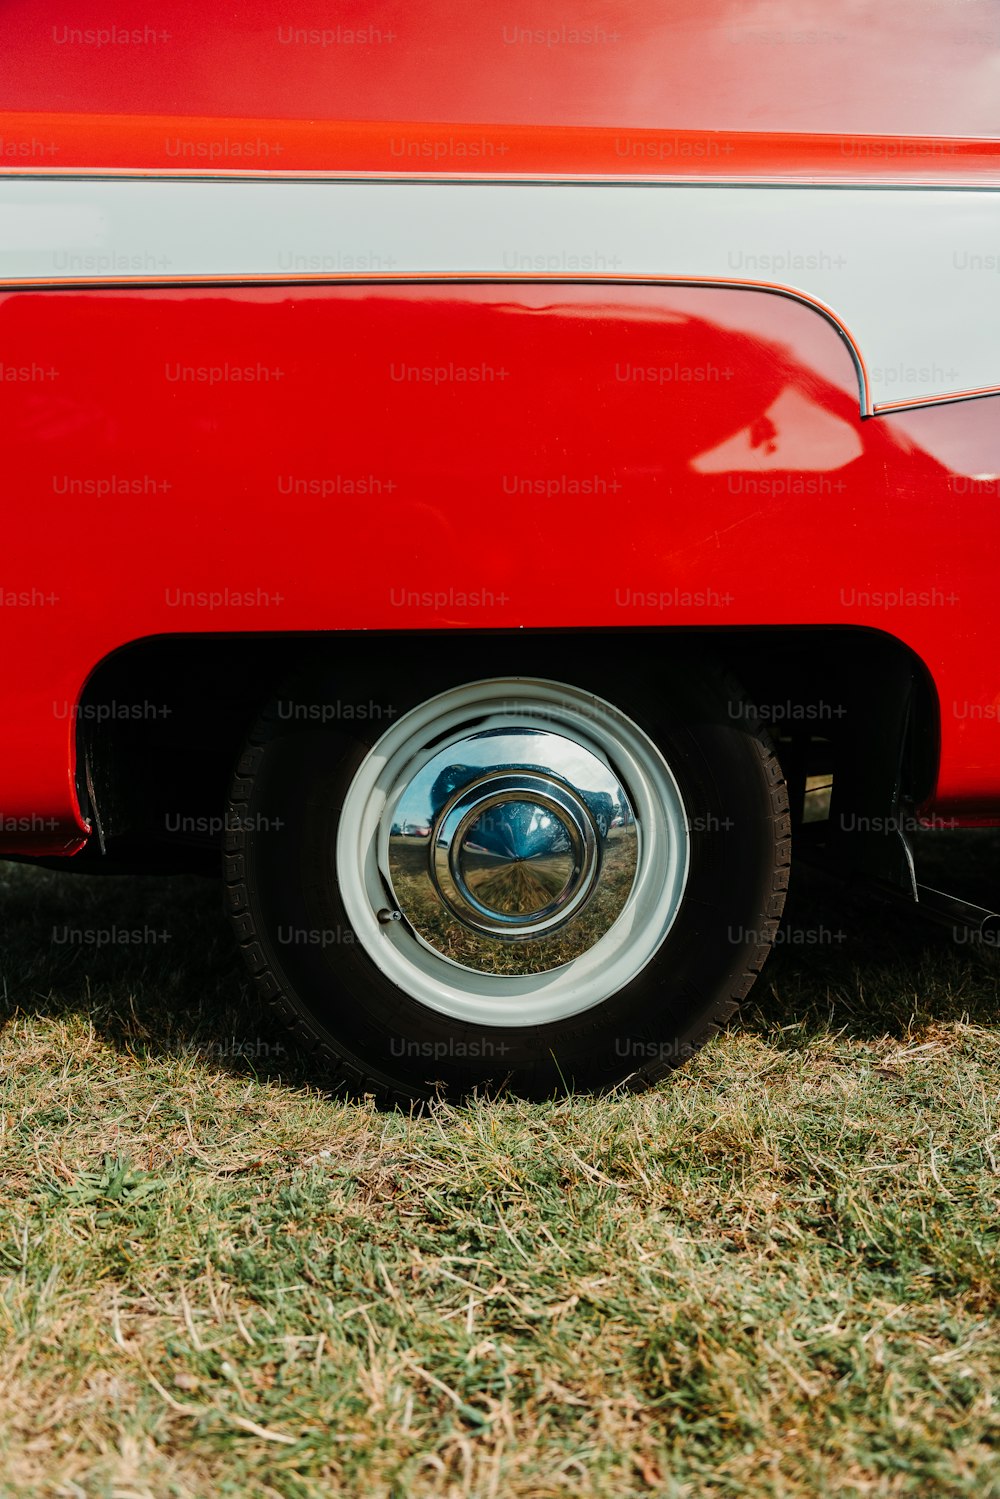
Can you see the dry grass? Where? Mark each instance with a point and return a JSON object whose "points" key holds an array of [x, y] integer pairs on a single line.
{"points": [[775, 1275]]}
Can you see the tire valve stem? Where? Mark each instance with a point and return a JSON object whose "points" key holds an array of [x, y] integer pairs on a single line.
{"points": [[385, 916]]}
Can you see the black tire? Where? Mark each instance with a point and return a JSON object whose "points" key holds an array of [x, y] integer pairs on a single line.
{"points": [[365, 1035]]}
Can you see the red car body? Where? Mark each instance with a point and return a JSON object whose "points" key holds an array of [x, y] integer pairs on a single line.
{"points": [[367, 447]]}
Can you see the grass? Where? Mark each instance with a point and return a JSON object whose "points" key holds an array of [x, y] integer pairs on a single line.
{"points": [[775, 1275]]}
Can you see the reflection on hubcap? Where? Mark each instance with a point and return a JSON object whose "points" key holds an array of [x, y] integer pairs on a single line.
{"points": [[514, 836], [515, 854], [530, 871]]}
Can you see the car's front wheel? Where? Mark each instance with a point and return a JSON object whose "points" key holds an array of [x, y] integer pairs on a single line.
{"points": [[525, 882]]}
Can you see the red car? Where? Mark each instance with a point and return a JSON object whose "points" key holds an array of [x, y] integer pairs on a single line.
{"points": [[425, 428]]}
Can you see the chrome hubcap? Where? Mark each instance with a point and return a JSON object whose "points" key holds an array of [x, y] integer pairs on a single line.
{"points": [[530, 838], [513, 866], [499, 840]]}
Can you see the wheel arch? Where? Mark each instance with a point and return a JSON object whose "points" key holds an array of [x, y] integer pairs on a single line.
{"points": [[860, 693]]}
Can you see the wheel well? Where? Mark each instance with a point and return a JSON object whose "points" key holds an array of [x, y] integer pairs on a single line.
{"points": [[161, 721]]}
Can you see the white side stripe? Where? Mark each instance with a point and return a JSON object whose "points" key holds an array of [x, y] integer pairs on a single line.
{"points": [[912, 274]]}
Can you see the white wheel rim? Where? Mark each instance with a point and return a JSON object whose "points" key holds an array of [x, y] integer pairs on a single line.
{"points": [[506, 710]]}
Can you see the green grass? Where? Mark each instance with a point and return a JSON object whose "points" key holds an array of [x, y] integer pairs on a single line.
{"points": [[776, 1274]]}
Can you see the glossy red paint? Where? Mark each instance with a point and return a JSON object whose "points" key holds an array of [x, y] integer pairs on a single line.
{"points": [[788, 66], [389, 457], [691, 88], [127, 490], [50, 144]]}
